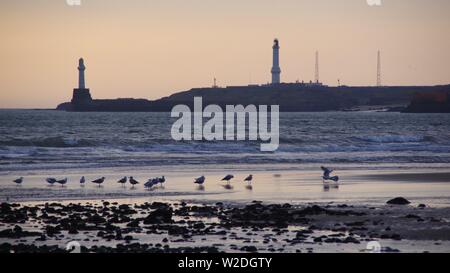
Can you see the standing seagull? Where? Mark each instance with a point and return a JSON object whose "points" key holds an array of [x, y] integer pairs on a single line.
{"points": [[51, 181], [162, 180], [200, 180], [99, 181], [123, 181], [62, 182], [133, 181], [82, 181], [151, 182], [249, 179], [228, 178], [18, 181]]}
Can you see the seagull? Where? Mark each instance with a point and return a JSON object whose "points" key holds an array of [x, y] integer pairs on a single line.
{"points": [[151, 182], [99, 181], [82, 180], [51, 181], [148, 184], [62, 182], [333, 178], [326, 171], [326, 175], [249, 179], [162, 180], [123, 181], [228, 178], [18, 181], [200, 180], [133, 181]]}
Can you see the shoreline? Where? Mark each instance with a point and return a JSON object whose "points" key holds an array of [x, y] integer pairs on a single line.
{"points": [[277, 185], [296, 213]]}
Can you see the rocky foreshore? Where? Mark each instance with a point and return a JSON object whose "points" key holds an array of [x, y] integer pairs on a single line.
{"points": [[106, 227]]}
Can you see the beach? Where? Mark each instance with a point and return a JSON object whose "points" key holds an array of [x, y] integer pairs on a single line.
{"points": [[105, 227], [377, 156], [276, 184], [287, 210]]}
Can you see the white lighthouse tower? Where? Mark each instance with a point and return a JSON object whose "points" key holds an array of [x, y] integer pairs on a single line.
{"points": [[276, 71], [81, 95]]}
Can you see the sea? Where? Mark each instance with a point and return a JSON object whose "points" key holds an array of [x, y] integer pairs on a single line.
{"points": [[38, 144]]}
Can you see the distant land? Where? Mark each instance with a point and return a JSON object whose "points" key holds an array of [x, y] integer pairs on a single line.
{"points": [[291, 97]]}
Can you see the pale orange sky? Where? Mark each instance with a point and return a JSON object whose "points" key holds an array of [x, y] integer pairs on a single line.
{"points": [[153, 48]]}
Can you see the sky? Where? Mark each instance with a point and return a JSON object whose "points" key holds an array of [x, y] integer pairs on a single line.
{"points": [[154, 48]]}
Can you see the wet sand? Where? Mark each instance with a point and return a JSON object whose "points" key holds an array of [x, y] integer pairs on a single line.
{"points": [[297, 213], [356, 186], [427, 177]]}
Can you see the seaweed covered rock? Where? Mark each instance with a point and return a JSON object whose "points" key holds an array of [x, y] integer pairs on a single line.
{"points": [[159, 216], [398, 201]]}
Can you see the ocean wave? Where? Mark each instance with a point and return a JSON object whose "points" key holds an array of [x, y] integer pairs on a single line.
{"points": [[394, 138], [47, 142], [196, 147]]}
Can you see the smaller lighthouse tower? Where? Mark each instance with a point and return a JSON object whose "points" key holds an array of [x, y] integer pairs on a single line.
{"points": [[81, 95], [276, 71], [81, 68]]}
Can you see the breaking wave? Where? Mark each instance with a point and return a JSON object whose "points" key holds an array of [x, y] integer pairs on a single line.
{"points": [[55, 142], [33, 140], [394, 138]]}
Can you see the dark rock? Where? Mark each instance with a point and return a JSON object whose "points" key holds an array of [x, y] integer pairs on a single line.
{"points": [[320, 239], [390, 250], [42, 238], [412, 216], [249, 249], [73, 230], [17, 232], [398, 201], [159, 205], [333, 240], [199, 226], [159, 216], [133, 223], [355, 224], [351, 240], [96, 219], [177, 230], [52, 230]]}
